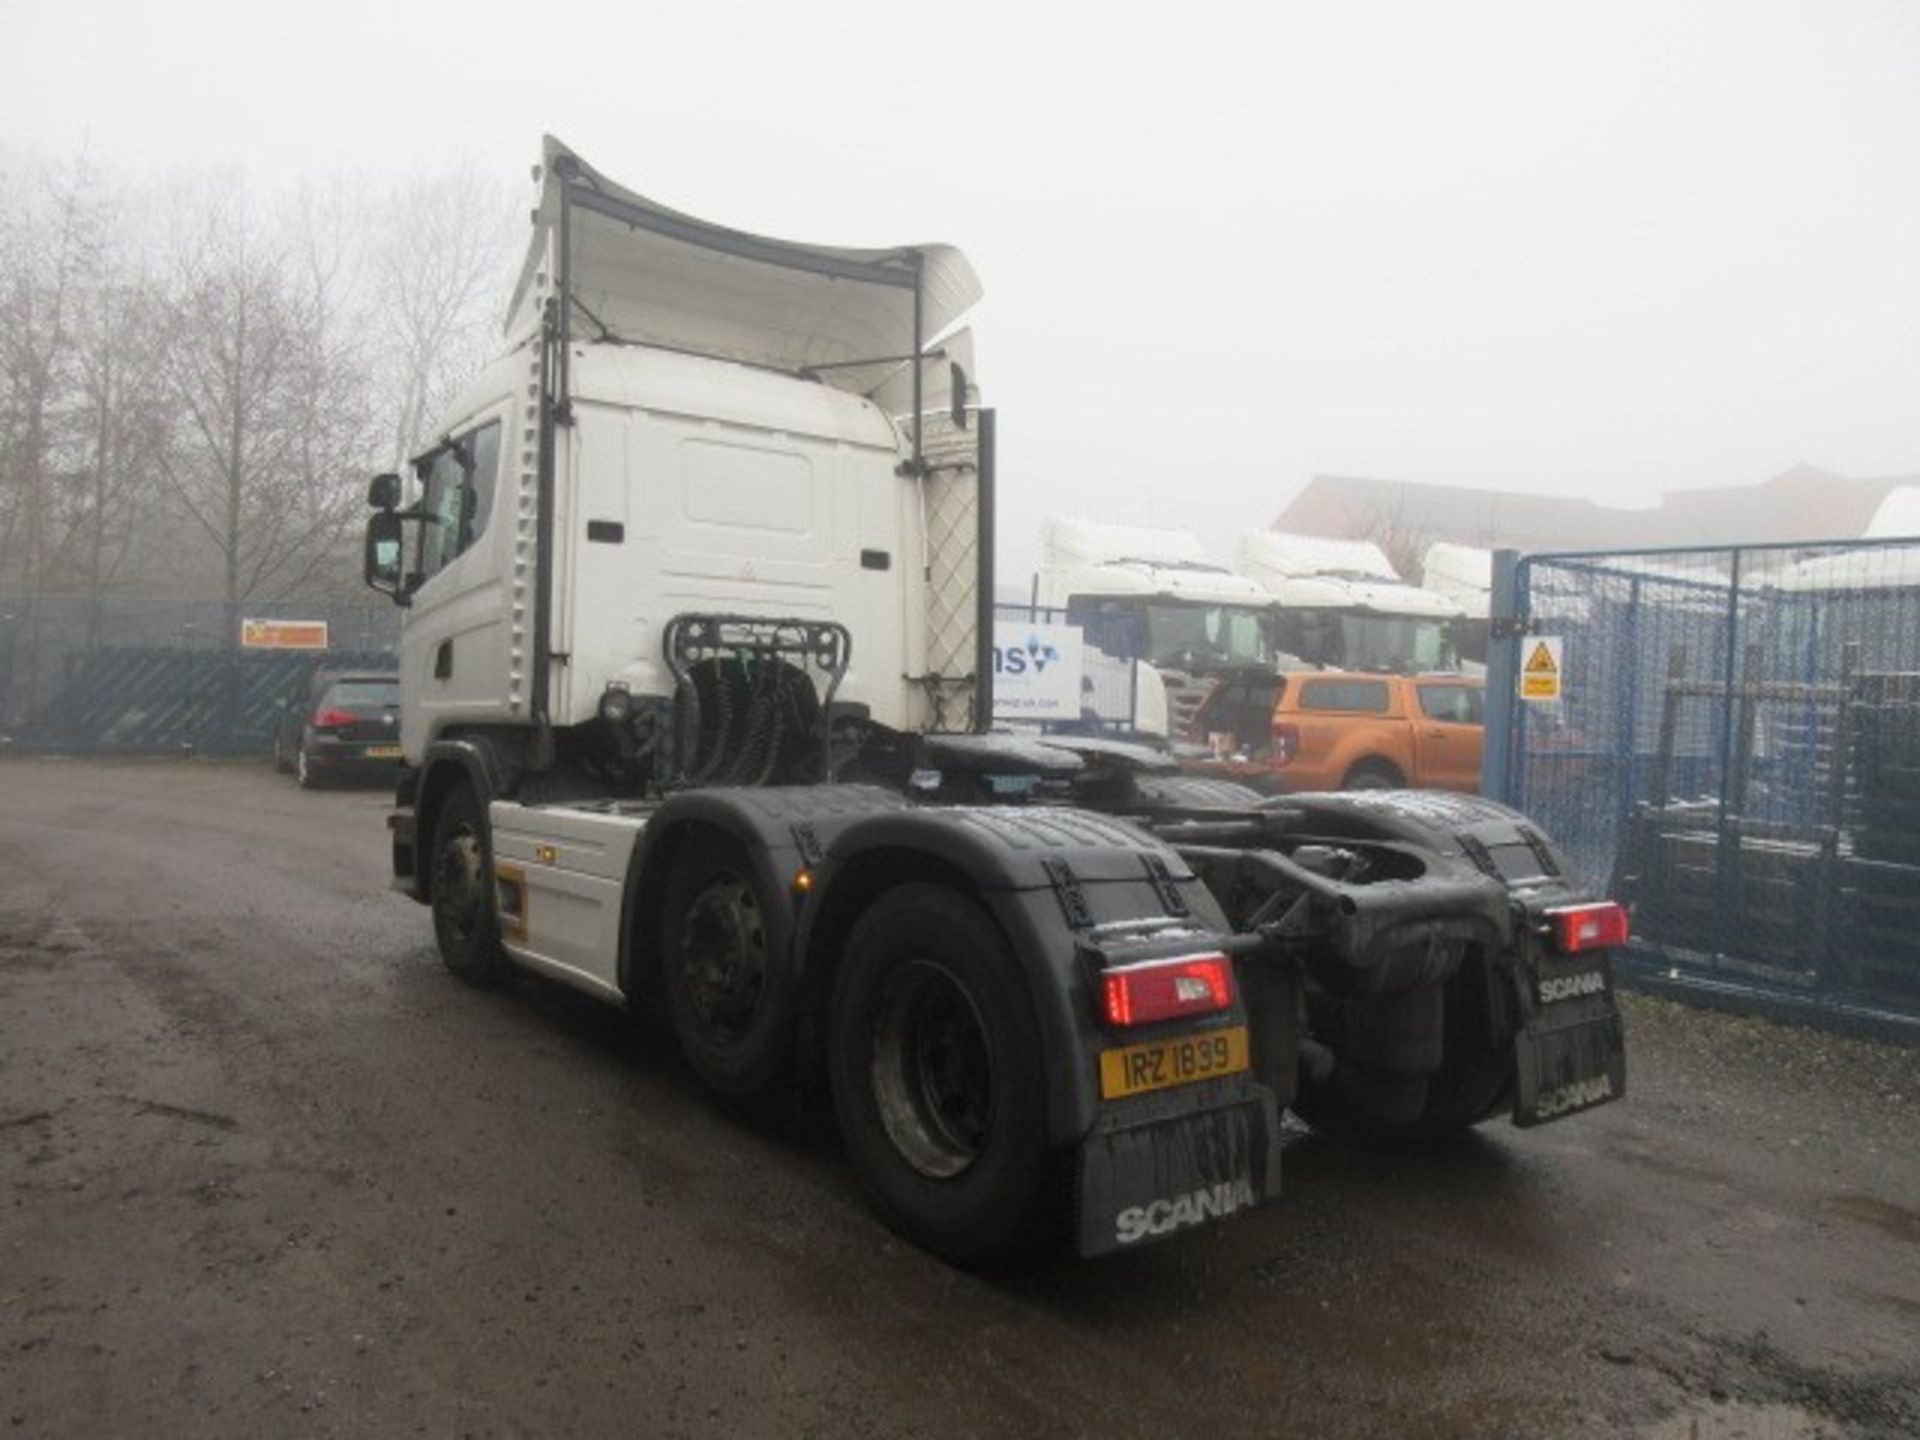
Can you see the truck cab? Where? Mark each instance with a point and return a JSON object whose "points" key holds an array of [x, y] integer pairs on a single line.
{"points": [[1341, 604], [696, 673], [1154, 596]]}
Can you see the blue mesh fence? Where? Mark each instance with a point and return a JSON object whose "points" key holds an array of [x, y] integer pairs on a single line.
{"points": [[1736, 753], [141, 675], [131, 675]]}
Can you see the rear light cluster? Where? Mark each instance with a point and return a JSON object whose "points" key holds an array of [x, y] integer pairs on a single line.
{"points": [[333, 719], [1156, 990], [1577, 928], [1286, 743]]}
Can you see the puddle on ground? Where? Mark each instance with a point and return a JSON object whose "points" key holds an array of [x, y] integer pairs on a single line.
{"points": [[1898, 1221], [1738, 1420]]}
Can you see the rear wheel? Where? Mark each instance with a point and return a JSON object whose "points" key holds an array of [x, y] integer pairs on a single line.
{"points": [[303, 771], [728, 991], [1375, 1094], [937, 1078], [464, 922]]}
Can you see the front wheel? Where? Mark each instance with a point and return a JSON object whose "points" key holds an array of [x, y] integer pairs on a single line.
{"points": [[938, 1080], [464, 922]]}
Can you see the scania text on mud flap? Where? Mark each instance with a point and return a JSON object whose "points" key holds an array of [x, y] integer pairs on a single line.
{"points": [[695, 673]]}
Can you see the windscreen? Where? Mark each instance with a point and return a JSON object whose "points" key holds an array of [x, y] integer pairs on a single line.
{"points": [[1391, 644], [1203, 636], [363, 694]]}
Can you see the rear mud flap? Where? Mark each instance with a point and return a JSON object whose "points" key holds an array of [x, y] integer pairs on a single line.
{"points": [[1572, 1054], [1157, 1174]]}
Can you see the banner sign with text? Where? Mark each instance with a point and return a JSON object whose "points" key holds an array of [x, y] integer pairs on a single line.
{"points": [[1036, 671]]}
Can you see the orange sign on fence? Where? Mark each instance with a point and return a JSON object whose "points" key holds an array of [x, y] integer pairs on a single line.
{"points": [[283, 634]]}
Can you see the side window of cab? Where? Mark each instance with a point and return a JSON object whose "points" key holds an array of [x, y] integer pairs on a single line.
{"points": [[456, 496], [1454, 704]]}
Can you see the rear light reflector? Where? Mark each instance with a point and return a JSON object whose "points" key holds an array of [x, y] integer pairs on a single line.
{"points": [[333, 719], [1155, 990], [1286, 744], [1588, 927]]}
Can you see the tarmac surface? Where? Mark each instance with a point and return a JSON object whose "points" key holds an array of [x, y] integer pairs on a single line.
{"points": [[266, 1169]]}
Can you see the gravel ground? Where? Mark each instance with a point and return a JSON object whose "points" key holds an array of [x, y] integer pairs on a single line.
{"points": [[266, 1169]]}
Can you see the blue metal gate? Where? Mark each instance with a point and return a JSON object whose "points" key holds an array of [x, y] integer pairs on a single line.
{"points": [[1735, 752]]}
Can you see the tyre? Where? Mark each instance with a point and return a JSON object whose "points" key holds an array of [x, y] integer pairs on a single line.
{"points": [[304, 775], [464, 922], [1373, 775], [1473, 1080], [729, 990], [934, 1055]]}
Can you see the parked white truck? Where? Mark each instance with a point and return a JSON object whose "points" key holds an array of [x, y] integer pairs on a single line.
{"points": [[695, 671], [1152, 595], [1343, 605]]}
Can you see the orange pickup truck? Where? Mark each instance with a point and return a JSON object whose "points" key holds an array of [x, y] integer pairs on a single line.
{"points": [[1332, 730]]}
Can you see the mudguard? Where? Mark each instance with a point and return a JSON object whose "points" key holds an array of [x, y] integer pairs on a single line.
{"points": [[1146, 1172], [1569, 1047], [781, 830], [1465, 835], [417, 795], [1047, 875], [1051, 878]]}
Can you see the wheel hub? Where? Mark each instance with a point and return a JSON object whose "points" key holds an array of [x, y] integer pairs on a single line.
{"points": [[932, 1071], [723, 946], [458, 891]]}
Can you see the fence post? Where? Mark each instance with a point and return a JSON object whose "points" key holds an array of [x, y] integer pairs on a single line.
{"points": [[1724, 860], [1627, 736], [1503, 679]]}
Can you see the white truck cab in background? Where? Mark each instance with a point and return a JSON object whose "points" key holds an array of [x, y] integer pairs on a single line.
{"points": [[1342, 604], [1154, 595]]}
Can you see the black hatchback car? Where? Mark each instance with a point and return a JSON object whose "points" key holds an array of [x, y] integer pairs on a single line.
{"points": [[348, 726]]}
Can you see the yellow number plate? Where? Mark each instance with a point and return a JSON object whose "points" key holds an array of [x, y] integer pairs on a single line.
{"points": [[383, 752], [1158, 1064]]}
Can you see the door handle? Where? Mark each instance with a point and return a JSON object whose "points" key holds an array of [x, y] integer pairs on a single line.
{"points": [[1436, 734], [443, 661]]}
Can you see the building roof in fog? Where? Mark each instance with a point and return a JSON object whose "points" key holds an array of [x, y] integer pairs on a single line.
{"points": [[1804, 503]]}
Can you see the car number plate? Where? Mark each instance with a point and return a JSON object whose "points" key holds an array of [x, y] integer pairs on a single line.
{"points": [[383, 752], [1182, 1060]]}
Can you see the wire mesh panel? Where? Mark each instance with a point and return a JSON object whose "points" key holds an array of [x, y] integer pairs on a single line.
{"points": [[1736, 752]]}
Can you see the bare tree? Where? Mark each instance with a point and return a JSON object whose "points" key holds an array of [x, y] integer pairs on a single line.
{"points": [[267, 434], [122, 414], [445, 247], [47, 241], [1400, 538]]}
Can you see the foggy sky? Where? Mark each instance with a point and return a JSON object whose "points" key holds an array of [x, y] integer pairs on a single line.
{"points": [[1597, 249]]}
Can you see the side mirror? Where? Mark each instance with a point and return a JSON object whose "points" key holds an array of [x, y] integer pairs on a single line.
{"points": [[381, 558], [384, 492]]}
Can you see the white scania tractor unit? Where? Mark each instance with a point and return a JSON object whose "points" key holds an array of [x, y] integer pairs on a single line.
{"points": [[695, 668]]}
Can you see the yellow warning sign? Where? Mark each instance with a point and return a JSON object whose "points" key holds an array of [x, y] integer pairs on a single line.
{"points": [[1540, 671]]}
